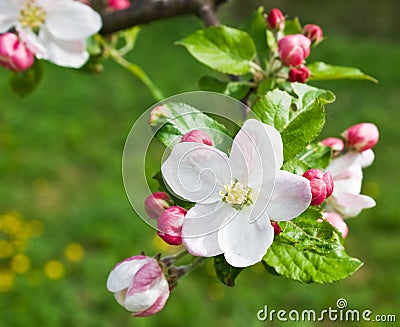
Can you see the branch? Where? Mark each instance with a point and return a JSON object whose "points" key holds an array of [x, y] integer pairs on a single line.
{"points": [[145, 11]]}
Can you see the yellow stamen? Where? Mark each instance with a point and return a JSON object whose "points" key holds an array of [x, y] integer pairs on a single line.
{"points": [[31, 15]]}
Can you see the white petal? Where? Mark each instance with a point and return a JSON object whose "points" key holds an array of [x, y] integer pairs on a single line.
{"points": [[64, 53], [139, 302], [245, 243], [201, 225], [9, 11], [32, 42], [257, 153], [349, 180], [197, 172], [122, 275], [72, 20], [291, 196], [337, 165], [366, 158], [349, 205]]}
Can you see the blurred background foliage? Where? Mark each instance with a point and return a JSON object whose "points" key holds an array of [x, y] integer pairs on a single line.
{"points": [[60, 170]]}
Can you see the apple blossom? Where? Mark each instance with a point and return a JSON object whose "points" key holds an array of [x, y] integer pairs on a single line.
{"points": [[156, 203], [333, 142], [321, 185], [139, 285], [313, 32], [361, 137], [55, 30], [170, 225], [299, 74], [14, 55], [336, 221], [275, 19], [235, 196], [294, 49], [347, 175], [197, 136]]}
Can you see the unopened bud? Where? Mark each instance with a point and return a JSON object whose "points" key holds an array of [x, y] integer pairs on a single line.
{"points": [[139, 285], [313, 32], [361, 137], [198, 137], [321, 185], [299, 74], [276, 20], [335, 143], [118, 4], [156, 203], [277, 228], [294, 49], [336, 221], [14, 55], [170, 225]]}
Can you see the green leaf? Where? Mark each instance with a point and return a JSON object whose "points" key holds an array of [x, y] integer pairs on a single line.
{"points": [[237, 90], [316, 155], [321, 71], [173, 120], [222, 48], [299, 117], [310, 250], [26, 82], [226, 273], [295, 166], [257, 28], [293, 26]]}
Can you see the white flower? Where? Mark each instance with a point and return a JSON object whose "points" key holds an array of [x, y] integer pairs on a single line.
{"points": [[347, 176], [235, 196], [55, 30]]}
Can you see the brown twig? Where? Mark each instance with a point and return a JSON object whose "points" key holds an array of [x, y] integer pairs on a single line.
{"points": [[145, 11]]}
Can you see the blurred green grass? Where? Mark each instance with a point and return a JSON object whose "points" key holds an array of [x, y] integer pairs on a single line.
{"points": [[60, 162]]}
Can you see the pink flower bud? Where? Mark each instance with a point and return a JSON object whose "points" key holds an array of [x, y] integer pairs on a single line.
{"points": [[277, 228], [321, 185], [139, 285], [118, 4], [361, 137], [276, 20], [313, 32], [156, 203], [170, 225], [294, 49], [158, 113], [198, 137], [336, 221], [333, 142], [299, 74], [14, 55]]}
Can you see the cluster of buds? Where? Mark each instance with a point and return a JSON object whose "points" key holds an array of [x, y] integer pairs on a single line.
{"points": [[14, 55], [321, 185], [295, 48], [160, 207]]}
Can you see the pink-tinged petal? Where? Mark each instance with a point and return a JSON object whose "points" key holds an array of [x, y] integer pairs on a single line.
{"points": [[244, 243], [349, 180], [201, 225], [257, 153], [64, 53], [336, 221], [72, 20], [145, 277], [197, 172], [337, 165], [121, 276], [9, 11], [349, 205], [366, 158], [291, 197], [142, 301], [160, 301]]}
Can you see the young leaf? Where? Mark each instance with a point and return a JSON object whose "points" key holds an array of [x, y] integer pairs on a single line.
{"points": [[177, 119], [237, 90], [26, 82], [316, 155], [310, 250], [293, 26], [225, 272], [295, 166], [222, 48], [321, 71]]}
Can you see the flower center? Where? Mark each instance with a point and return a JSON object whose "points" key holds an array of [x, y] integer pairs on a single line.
{"points": [[31, 15], [236, 194]]}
